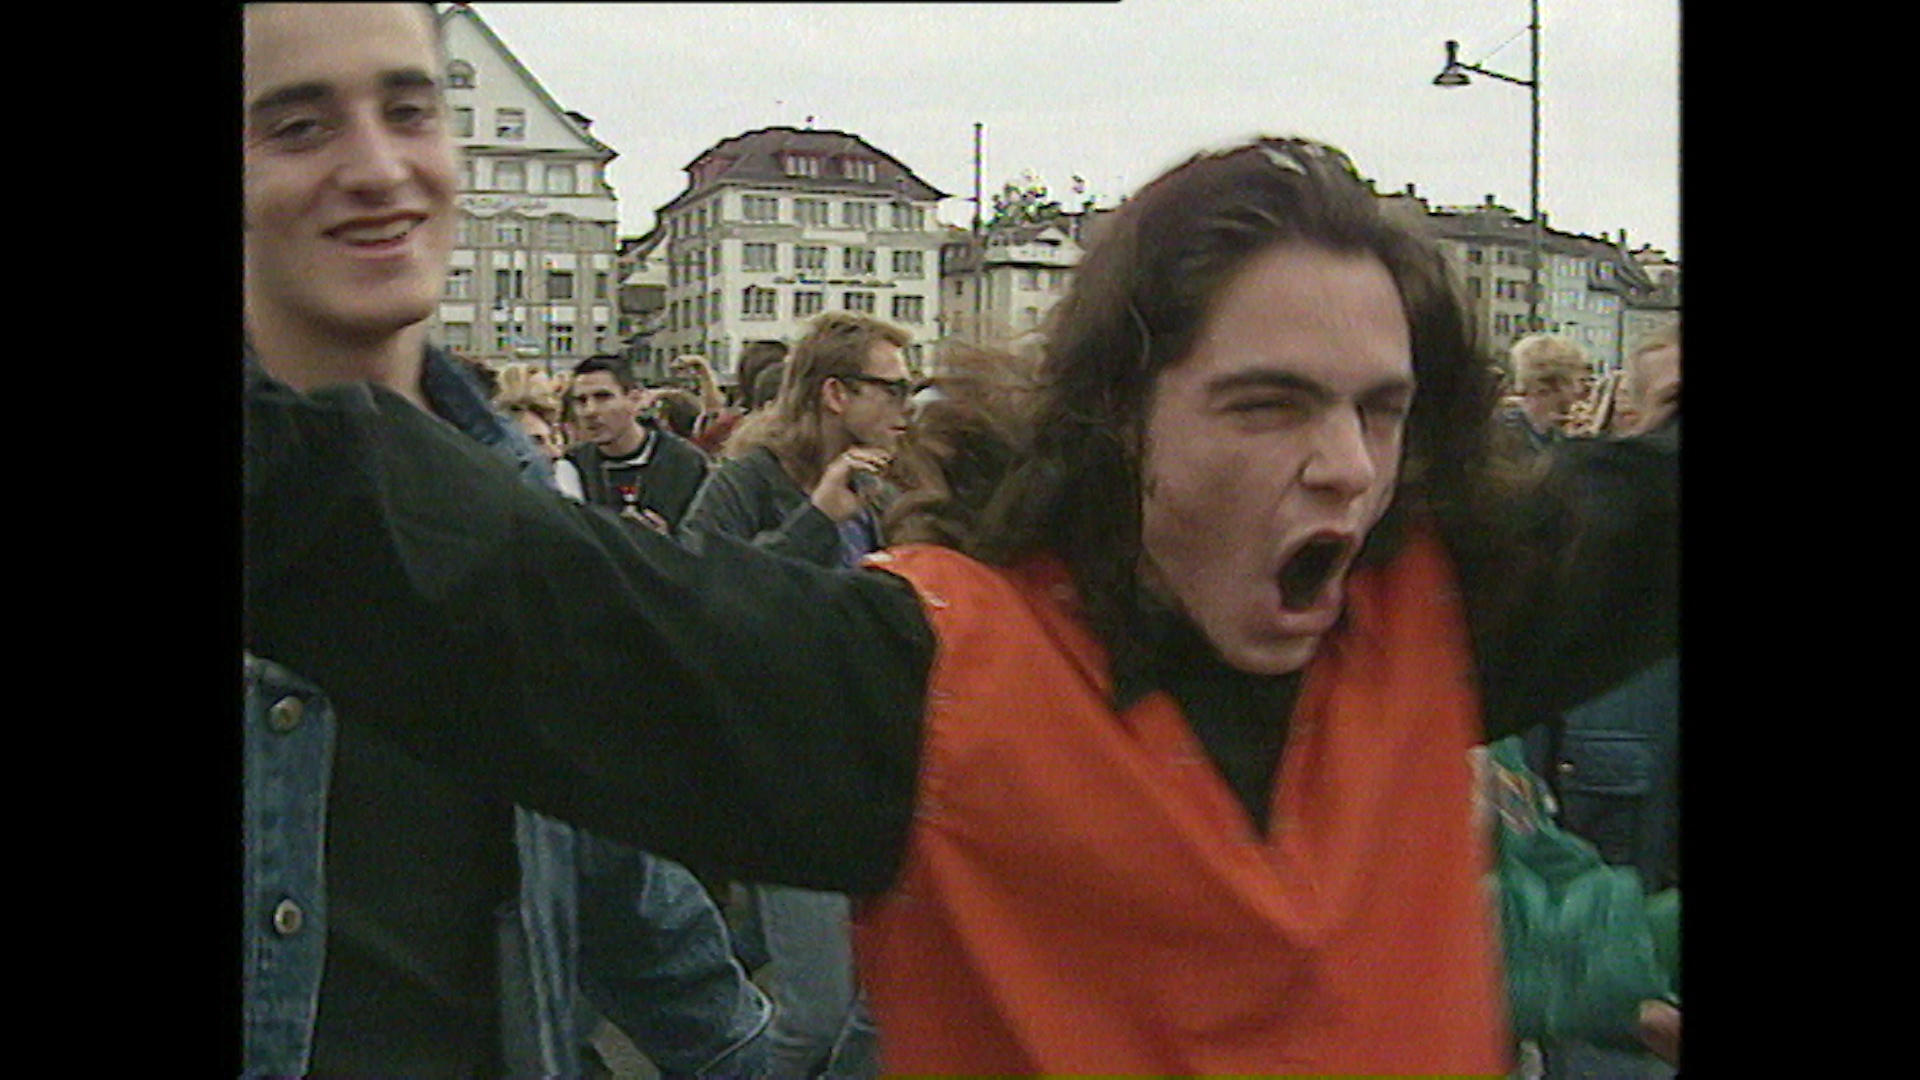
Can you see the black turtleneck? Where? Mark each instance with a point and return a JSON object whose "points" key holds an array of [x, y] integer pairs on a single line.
{"points": [[1240, 719]]}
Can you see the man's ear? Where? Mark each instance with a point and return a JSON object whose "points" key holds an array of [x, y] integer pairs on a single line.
{"points": [[834, 396]]}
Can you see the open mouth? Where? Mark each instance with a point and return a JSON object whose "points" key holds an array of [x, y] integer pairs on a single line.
{"points": [[1305, 575]]}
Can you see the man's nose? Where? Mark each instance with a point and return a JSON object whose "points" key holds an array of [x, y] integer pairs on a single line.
{"points": [[374, 157], [1339, 460]]}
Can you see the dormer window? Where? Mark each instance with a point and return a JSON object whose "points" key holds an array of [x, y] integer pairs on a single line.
{"points": [[459, 75], [799, 164], [859, 169]]}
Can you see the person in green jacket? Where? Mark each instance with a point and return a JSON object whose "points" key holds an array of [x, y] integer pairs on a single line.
{"points": [[1589, 955]]}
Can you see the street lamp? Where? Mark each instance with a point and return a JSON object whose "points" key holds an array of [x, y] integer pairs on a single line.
{"points": [[1455, 74]]}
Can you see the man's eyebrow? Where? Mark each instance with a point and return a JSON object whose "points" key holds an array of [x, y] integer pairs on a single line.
{"points": [[305, 93], [1270, 379], [296, 94], [408, 79]]}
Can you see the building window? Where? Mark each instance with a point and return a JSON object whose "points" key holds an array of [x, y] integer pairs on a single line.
{"points": [[859, 169], [861, 302], [503, 338], [810, 257], [460, 283], [808, 303], [462, 123], [457, 335], [714, 262], [810, 212], [759, 256], [1030, 279], [857, 260], [560, 180], [600, 286], [758, 303], [800, 165], [909, 263], [760, 208], [510, 124], [509, 284], [700, 310], [910, 309], [859, 215], [509, 176], [557, 233], [463, 231], [560, 339], [913, 218], [466, 174], [509, 233], [560, 285], [1473, 287], [459, 75]]}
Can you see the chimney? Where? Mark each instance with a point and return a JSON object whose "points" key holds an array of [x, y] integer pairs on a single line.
{"points": [[1411, 194]]}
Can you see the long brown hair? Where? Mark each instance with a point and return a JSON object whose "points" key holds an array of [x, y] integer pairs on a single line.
{"points": [[836, 345], [1138, 301]]}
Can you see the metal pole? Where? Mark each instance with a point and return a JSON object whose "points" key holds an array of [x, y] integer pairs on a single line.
{"points": [[979, 246], [1533, 284]]}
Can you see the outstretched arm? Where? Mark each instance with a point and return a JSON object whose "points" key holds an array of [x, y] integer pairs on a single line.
{"points": [[728, 708]]}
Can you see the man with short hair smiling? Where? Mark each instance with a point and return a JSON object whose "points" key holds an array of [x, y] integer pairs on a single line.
{"points": [[639, 470], [399, 919]]}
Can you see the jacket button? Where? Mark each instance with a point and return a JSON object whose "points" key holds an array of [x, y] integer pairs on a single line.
{"points": [[288, 918], [285, 714]]}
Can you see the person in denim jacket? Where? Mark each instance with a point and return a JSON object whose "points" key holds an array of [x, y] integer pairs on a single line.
{"points": [[394, 921]]}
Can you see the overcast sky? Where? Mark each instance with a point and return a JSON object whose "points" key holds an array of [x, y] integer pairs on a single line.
{"points": [[1118, 92]]}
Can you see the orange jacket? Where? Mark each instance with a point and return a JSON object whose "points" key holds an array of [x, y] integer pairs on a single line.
{"points": [[1083, 893]]}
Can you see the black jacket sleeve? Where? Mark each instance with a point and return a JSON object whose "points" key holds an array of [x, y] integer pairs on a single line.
{"points": [[743, 498], [1604, 601], [731, 708]]}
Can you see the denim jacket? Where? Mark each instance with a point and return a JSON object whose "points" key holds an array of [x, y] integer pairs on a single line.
{"points": [[662, 967]]}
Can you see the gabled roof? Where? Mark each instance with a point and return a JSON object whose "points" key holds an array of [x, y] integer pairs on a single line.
{"points": [[754, 159], [572, 120], [1031, 232]]}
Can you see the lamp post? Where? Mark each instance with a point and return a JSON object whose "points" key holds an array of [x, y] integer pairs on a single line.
{"points": [[1454, 74]]}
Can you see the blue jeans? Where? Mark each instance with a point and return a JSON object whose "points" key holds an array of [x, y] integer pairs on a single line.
{"points": [[656, 960], [820, 1022]]}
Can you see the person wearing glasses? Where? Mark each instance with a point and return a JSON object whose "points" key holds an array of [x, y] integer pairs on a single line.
{"points": [[801, 477]]}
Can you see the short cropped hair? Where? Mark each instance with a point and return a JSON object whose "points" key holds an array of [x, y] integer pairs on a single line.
{"points": [[614, 365], [1541, 361]]}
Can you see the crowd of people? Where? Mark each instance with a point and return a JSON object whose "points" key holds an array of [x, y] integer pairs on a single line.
{"points": [[1122, 711]]}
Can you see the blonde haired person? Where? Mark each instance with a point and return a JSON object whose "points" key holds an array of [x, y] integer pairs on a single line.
{"points": [[532, 400], [1549, 375], [1650, 382]]}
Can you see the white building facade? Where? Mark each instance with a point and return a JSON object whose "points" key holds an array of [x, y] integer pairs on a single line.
{"points": [[998, 297], [532, 273], [778, 225]]}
